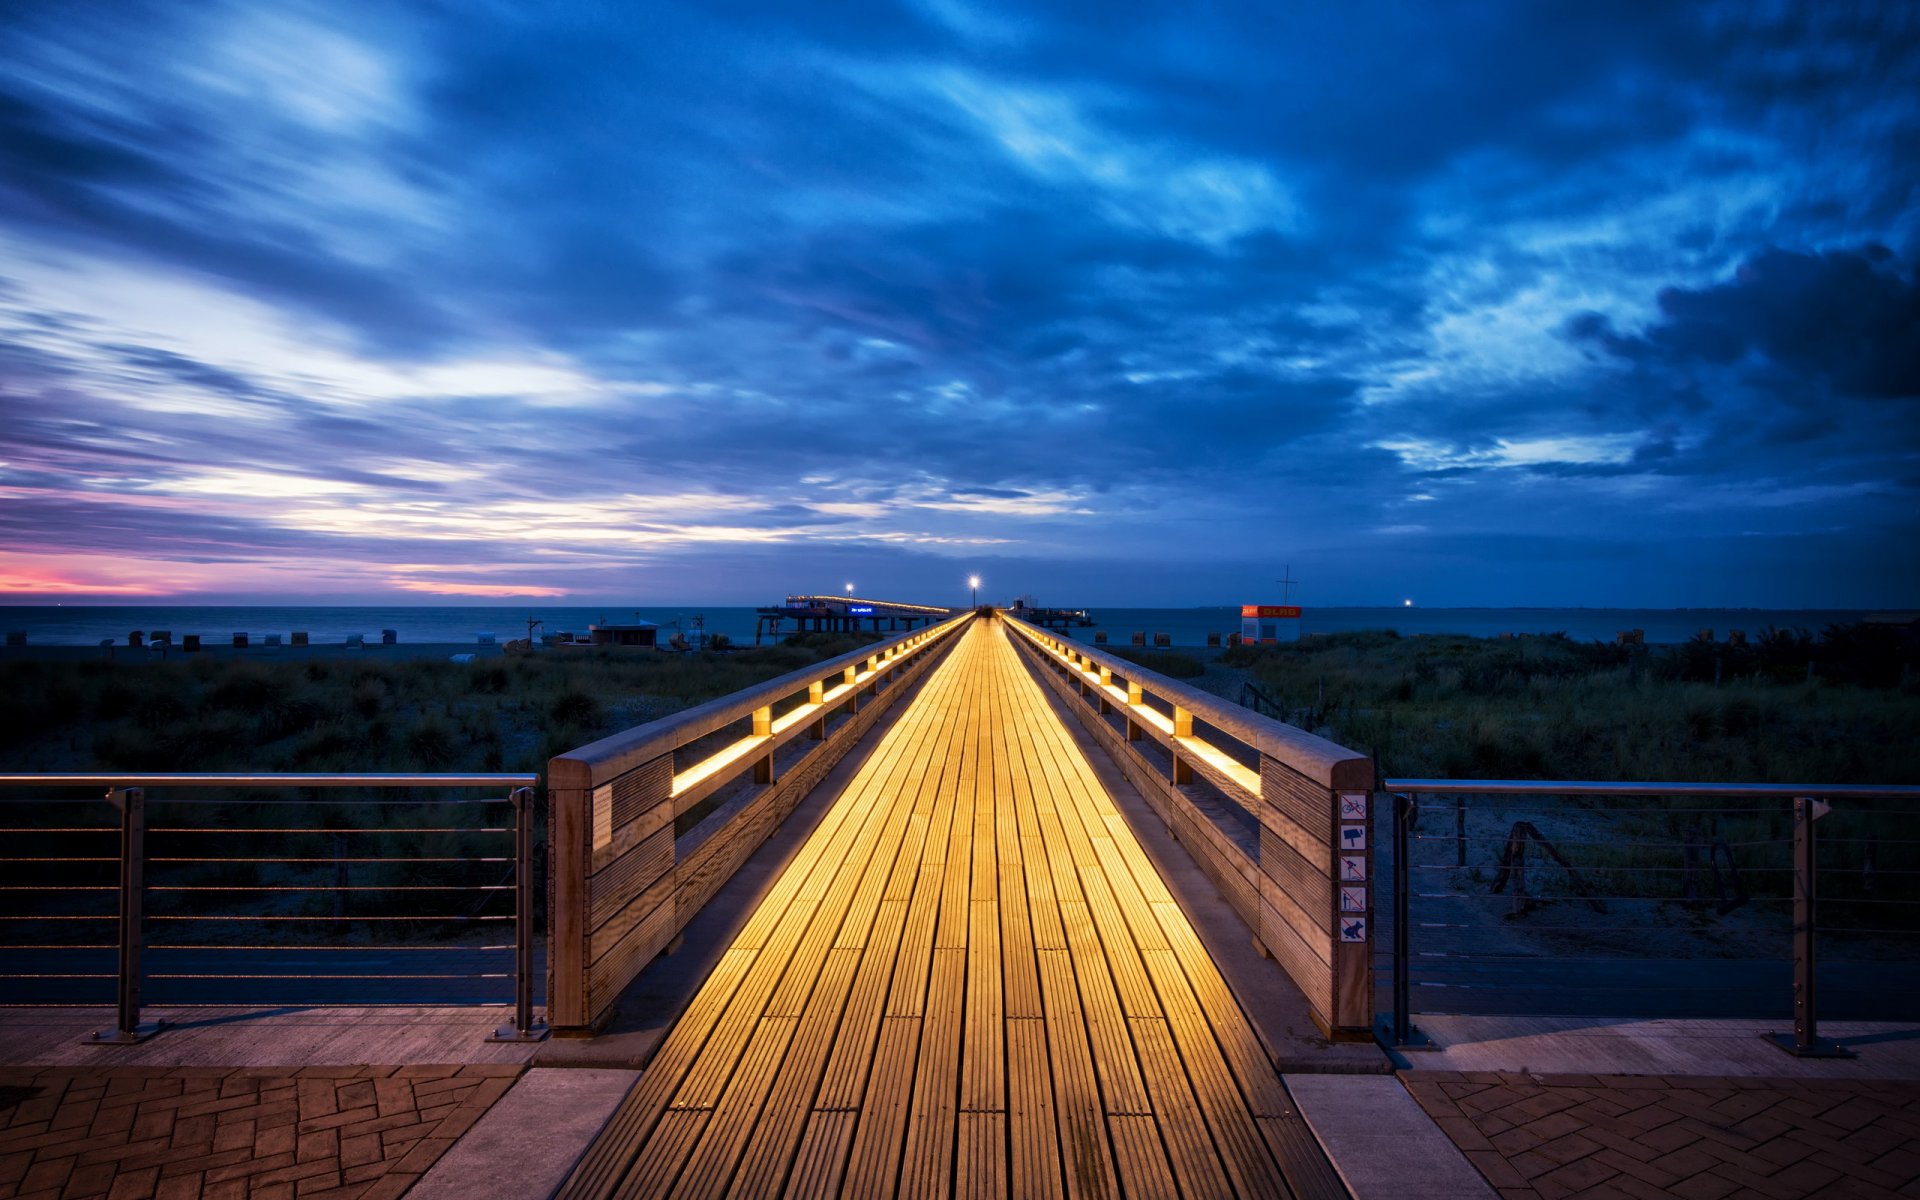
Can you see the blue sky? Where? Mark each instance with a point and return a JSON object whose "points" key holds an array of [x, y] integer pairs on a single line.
{"points": [[1490, 303]]}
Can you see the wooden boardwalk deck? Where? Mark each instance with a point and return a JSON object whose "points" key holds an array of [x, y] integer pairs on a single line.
{"points": [[970, 981]]}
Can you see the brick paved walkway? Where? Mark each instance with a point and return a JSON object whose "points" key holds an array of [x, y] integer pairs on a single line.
{"points": [[1643, 1136], [322, 1133]]}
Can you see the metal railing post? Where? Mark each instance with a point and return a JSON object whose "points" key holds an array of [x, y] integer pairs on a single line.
{"points": [[523, 1027], [1805, 1040], [132, 803], [1402, 1003], [1402, 1035]]}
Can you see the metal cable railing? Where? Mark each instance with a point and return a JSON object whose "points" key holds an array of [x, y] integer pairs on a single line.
{"points": [[1582, 898], [181, 889]]}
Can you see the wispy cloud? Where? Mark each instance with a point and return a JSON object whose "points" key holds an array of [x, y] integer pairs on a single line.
{"points": [[363, 300]]}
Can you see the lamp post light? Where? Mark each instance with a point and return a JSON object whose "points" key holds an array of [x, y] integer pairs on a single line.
{"points": [[973, 581]]}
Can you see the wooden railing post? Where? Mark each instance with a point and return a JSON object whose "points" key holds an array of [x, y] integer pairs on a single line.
{"points": [[1182, 728], [1134, 700], [1317, 883], [763, 727], [569, 857]]}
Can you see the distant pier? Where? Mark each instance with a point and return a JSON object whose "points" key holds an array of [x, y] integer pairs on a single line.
{"points": [[843, 614], [1052, 618]]}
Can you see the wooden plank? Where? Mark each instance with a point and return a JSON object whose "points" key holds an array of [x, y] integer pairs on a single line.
{"points": [[1123, 953], [1141, 923], [983, 1079], [950, 928], [639, 944], [1303, 806], [1066, 873], [783, 1122], [980, 1160], [927, 1168], [1226, 1110], [818, 1169], [1239, 1044], [1020, 975], [1043, 909], [1141, 1158], [1086, 1157], [1190, 1150], [1032, 1138], [632, 872], [654, 1172], [1305, 883], [884, 1109], [724, 1139], [1298, 957], [906, 871]]}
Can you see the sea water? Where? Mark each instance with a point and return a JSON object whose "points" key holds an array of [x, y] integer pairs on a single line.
{"points": [[88, 625]]}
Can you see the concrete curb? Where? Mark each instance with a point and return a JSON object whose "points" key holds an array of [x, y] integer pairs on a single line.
{"points": [[1382, 1142], [530, 1138]]}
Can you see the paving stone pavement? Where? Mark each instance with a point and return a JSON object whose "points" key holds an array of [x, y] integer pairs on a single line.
{"points": [[224, 1133], [1543, 1137]]}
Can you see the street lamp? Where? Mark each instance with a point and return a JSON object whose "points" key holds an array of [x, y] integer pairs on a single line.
{"points": [[973, 581], [849, 589]]}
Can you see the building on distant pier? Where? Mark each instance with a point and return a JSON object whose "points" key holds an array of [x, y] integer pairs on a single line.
{"points": [[1032, 613]]}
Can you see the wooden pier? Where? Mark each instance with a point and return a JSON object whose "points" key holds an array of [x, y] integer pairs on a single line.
{"points": [[970, 981], [844, 614]]}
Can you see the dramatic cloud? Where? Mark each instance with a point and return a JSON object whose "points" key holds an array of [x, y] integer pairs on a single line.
{"points": [[715, 301]]}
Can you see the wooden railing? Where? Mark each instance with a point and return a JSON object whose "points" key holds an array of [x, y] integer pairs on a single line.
{"points": [[648, 824], [1276, 817]]}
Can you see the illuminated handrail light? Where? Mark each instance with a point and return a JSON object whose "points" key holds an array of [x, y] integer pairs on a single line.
{"points": [[717, 762], [770, 732], [1175, 731]]}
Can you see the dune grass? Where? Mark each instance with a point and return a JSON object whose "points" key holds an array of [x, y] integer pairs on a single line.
{"points": [[1553, 708], [338, 714]]}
